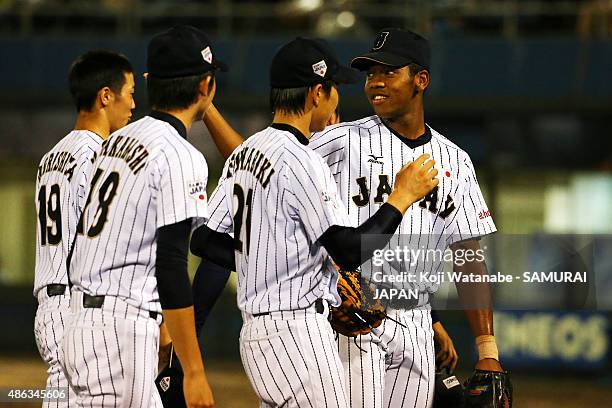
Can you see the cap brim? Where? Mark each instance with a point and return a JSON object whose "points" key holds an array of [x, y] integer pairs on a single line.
{"points": [[345, 75], [363, 62], [220, 65]]}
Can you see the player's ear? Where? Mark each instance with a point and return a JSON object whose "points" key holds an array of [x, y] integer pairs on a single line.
{"points": [[105, 96], [207, 86], [421, 80], [316, 93]]}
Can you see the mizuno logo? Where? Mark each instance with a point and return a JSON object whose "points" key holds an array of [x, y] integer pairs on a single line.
{"points": [[374, 159]]}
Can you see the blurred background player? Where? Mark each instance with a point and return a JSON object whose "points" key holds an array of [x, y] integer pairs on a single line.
{"points": [[102, 88], [130, 259]]}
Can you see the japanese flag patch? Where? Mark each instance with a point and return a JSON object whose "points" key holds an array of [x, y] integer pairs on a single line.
{"points": [[330, 199], [320, 68], [197, 190], [207, 55]]}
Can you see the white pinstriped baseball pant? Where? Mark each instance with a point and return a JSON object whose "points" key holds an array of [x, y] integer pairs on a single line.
{"points": [[394, 366], [292, 361], [52, 316], [110, 355]]}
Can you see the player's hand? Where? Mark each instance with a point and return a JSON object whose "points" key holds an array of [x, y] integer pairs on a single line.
{"points": [[413, 182], [447, 355], [197, 391], [489, 364]]}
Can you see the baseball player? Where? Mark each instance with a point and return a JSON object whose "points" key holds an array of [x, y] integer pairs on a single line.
{"points": [[102, 87], [210, 279], [279, 200], [397, 367], [130, 259]]}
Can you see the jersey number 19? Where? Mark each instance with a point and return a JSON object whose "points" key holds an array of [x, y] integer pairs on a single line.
{"points": [[49, 210]]}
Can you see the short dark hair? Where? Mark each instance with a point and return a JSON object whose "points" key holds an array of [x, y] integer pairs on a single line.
{"points": [[93, 71], [293, 100], [175, 93], [415, 68]]}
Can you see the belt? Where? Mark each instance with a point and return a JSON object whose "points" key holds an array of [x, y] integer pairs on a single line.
{"points": [[56, 289], [96, 302], [319, 308]]}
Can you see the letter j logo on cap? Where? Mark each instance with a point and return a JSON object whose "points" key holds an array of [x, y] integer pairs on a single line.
{"points": [[380, 41]]}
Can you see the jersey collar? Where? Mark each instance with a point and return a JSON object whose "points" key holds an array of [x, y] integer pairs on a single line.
{"points": [[171, 120], [294, 131], [412, 143], [91, 133]]}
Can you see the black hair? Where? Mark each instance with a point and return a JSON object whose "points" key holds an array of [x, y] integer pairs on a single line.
{"points": [[175, 93], [93, 71], [293, 100], [415, 68]]}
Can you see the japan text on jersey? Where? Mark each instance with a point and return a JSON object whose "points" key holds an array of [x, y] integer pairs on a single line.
{"points": [[364, 157]]}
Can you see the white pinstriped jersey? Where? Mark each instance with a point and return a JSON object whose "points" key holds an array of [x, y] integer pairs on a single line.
{"points": [[146, 176], [364, 157], [278, 197], [61, 183]]}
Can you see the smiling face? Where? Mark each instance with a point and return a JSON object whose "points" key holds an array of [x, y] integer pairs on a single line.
{"points": [[393, 91]]}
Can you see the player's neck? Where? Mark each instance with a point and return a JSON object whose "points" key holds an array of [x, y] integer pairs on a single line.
{"points": [[186, 116], [300, 122], [94, 122], [411, 125]]}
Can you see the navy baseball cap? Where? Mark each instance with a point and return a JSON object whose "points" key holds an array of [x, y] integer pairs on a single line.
{"points": [[308, 61], [395, 47], [181, 51]]}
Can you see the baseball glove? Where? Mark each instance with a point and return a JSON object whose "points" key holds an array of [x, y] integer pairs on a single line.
{"points": [[488, 389], [354, 317], [448, 391]]}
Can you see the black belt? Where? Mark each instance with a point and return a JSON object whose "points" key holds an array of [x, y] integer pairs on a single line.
{"points": [[319, 308], [96, 302], [56, 289]]}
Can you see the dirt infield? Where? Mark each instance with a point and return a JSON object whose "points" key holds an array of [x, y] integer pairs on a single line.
{"points": [[232, 388]]}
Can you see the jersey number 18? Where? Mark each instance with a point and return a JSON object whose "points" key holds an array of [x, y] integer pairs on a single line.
{"points": [[106, 194]]}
